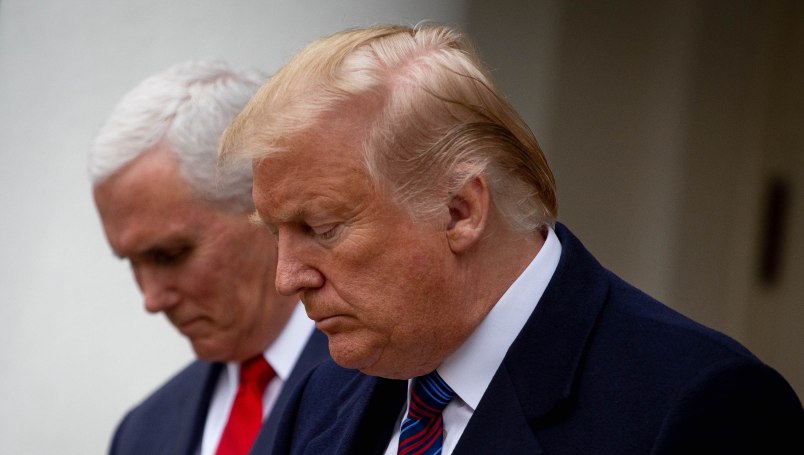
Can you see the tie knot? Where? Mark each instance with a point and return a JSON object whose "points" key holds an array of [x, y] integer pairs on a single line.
{"points": [[256, 371], [429, 395]]}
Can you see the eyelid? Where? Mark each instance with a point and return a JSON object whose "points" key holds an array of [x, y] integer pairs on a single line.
{"points": [[326, 232], [323, 228], [167, 256]]}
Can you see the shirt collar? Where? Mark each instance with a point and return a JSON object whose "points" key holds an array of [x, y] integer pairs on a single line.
{"points": [[470, 369]]}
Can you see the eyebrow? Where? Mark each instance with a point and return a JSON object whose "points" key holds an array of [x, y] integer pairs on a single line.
{"points": [[256, 219], [299, 213]]}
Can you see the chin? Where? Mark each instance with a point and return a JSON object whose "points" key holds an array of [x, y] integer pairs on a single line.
{"points": [[348, 360], [387, 373], [210, 353], [396, 370], [351, 355], [368, 361]]}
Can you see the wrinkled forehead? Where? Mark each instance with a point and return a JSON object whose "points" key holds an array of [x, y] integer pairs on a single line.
{"points": [[320, 157], [314, 171]]}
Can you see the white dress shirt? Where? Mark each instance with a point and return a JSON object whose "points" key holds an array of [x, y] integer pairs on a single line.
{"points": [[470, 369], [281, 355]]}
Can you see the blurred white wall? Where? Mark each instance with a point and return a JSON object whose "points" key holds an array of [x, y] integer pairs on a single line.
{"points": [[76, 347]]}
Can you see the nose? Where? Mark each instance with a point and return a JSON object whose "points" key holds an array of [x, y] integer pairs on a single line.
{"points": [[294, 273], [158, 295]]}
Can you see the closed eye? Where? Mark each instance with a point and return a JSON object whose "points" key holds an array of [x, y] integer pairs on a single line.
{"points": [[167, 256], [325, 231]]}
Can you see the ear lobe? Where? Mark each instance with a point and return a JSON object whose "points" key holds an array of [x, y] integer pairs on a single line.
{"points": [[468, 211]]}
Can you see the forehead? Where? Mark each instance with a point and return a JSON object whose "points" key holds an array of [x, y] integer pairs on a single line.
{"points": [[319, 168], [147, 202], [152, 180]]}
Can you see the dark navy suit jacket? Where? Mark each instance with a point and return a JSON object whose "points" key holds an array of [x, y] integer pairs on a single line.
{"points": [[171, 421], [599, 368]]}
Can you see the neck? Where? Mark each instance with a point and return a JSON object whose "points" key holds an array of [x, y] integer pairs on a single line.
{"points": [[500, 257]]}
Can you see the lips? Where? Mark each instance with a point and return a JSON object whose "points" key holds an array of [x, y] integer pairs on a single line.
{"points": [[326, 320], [320, 317], [315, 310]]}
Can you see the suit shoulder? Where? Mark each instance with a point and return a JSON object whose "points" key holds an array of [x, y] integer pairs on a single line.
{"points": [[187, 383], [665, 329], [174, 405]]}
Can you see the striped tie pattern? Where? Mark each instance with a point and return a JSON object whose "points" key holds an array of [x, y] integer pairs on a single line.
{"points": [[423, 427]]}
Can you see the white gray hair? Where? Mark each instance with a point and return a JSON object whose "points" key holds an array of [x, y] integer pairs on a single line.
{"points": [[187, 106]]}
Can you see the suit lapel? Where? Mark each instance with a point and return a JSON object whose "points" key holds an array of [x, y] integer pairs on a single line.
{"points": [[194, 414], [313, 353], [537, 374], [545, 357], [498, 425]]}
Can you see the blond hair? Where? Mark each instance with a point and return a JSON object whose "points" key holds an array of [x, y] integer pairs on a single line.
{"points": [[439, 120]]}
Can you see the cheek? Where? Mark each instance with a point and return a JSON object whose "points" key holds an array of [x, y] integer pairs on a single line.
{"points": [[420, 269], [383, 276], [207, 281], [405, 290]]}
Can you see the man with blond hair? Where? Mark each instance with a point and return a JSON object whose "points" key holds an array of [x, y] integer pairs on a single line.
{"points": [[416, 215], [183, 226]]}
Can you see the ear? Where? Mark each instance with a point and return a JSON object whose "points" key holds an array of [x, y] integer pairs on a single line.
{"points": [[468, 211]]}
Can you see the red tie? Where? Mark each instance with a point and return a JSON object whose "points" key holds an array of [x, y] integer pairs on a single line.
{"points": [[245, 419]]}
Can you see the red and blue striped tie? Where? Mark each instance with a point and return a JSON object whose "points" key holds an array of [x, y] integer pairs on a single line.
{"points": [[423, 427]]}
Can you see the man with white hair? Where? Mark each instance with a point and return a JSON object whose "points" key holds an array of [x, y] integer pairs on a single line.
{"points": [[199, 260]]}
